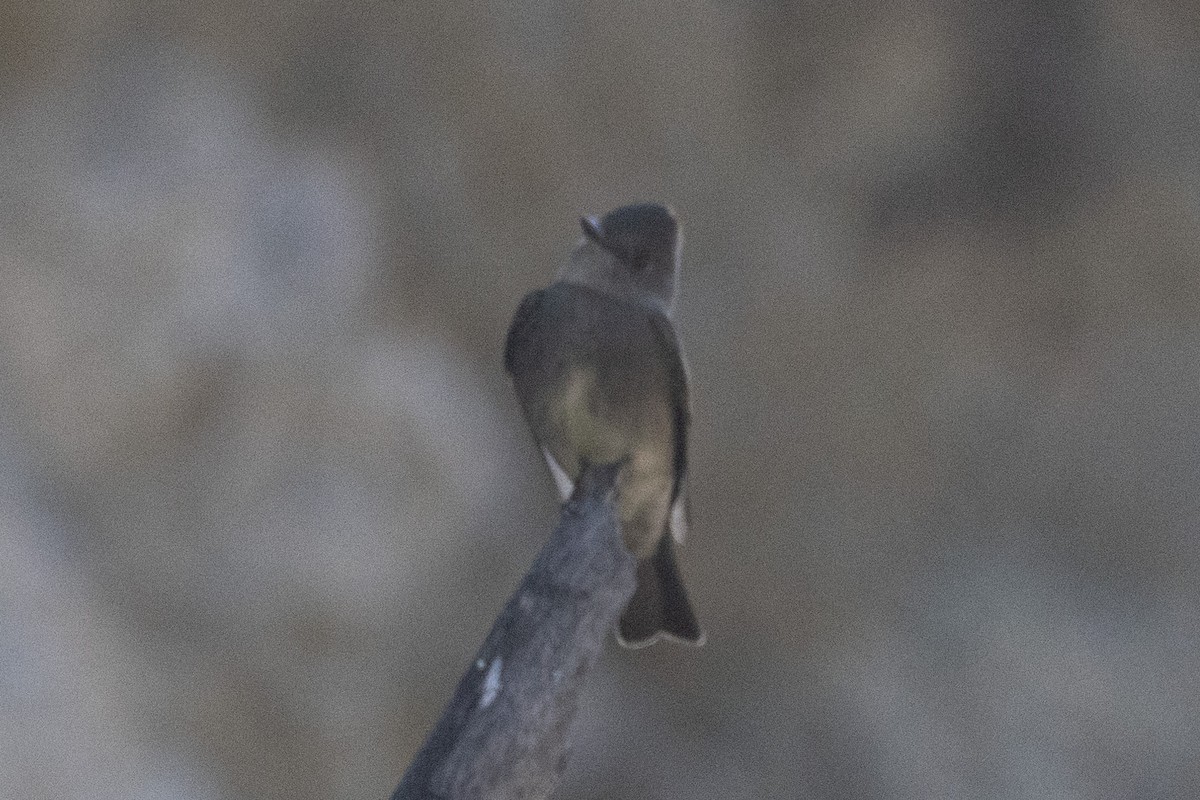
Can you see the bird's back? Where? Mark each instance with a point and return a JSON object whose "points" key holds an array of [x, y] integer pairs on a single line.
{"points": [[581, 359]]}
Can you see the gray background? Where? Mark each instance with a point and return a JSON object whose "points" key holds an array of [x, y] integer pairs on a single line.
{"points": [[263, 485]]}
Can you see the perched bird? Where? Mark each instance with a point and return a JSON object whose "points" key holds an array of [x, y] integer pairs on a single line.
{"points": [[600, 376]]}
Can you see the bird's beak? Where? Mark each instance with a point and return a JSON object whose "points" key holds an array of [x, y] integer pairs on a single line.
{"points": [[591, 228]]}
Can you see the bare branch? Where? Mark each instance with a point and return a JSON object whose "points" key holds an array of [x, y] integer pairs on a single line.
{"points": [[503, 735]]}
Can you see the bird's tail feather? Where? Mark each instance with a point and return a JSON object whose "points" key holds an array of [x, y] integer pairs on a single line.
{"points": [[660, 605]]}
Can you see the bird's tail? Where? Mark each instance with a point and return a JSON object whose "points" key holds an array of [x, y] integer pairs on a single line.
{"points": [[660, 604]]}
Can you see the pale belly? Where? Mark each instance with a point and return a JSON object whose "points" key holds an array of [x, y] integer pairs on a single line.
{"points": [[581, 428]]}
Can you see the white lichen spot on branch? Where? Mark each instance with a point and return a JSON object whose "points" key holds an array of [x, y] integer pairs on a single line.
{"points": [[491, 684]]}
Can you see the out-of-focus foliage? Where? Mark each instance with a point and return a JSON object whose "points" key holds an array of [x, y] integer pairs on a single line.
{"points": [[264, 486]]}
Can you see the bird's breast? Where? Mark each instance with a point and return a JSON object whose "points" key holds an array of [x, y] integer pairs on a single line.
{"points": [[586, 424]]}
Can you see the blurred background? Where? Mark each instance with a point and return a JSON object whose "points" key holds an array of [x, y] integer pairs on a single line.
{"points": [[264, 486]]}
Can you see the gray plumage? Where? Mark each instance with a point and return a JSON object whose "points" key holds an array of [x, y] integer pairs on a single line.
{"points": [[600, 376]]}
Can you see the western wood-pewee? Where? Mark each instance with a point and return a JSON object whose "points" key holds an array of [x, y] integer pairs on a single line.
{"points": [[601, 379]]}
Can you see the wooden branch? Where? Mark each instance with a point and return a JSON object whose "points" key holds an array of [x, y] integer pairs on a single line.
{"points": [[503, 735]]}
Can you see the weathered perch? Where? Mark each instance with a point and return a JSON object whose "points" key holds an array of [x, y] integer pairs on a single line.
{"points": [[503, 735]]}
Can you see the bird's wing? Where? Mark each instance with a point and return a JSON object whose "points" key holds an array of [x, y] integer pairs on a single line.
{"points": [[523, 359], [677, 375], [522, 332]]}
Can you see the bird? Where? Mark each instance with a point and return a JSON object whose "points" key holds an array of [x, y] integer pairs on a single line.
{"points": [[600, 376]]}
